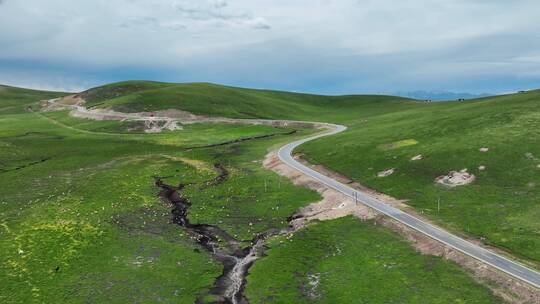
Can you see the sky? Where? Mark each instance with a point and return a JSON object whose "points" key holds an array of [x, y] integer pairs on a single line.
{"points": [[319, 46]]}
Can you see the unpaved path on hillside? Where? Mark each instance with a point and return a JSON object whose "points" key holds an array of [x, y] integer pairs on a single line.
{"points": [[285, 154], [176, 117]]}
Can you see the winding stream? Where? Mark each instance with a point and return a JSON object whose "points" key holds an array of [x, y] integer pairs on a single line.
{"points": [[229, 287]]}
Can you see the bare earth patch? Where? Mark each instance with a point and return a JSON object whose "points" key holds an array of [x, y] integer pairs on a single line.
{"points": [[333, 205], [312, 285], [386, 173], [455, 178], [158, 121], [58, 104], [417, 157]]}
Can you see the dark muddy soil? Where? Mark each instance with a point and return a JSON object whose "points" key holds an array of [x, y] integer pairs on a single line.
{"points": [[216, 241], [222, 176]]}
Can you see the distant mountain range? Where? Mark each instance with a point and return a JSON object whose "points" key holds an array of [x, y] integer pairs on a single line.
{"points": [[440, 95]]}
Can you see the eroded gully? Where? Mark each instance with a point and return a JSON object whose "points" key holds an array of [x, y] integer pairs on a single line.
{"points": [[236, 260]]}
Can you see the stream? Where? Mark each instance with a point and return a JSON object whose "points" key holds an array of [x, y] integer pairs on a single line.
{"points": [[229, 287]]}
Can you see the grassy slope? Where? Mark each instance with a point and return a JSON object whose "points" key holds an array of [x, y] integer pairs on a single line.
{"points": [[16, 100], [350, 261], [211, 99], [85, 224], [501, 206]]}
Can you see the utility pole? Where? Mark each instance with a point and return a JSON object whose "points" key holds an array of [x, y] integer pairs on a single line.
{"points": [[438, 205]]}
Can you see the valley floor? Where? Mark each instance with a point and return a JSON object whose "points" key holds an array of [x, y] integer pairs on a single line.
{"points": [[84, 217], [81, 221]]}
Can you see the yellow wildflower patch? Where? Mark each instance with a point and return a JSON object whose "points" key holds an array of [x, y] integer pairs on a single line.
{"points": [[398, 144]]}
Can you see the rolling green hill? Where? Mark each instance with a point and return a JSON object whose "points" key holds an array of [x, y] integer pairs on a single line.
{"points": [[501, 207], [212, 99], [17, 100], [81, 220]]}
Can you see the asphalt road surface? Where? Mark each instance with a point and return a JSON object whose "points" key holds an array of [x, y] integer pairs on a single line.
{"points": [[512, 268]]}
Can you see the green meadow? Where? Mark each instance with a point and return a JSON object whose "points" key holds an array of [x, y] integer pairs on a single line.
{"points": [[350, 261], [501, 207], [80, 219]]}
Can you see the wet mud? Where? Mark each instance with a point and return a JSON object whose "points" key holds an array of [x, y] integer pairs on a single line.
{"points": [[236, 259]]}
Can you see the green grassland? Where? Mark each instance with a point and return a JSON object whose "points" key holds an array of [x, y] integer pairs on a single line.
{"points": [[501, 207], [80, 217], [211, 99], [16, 100], [350, 261], [80, 220]]}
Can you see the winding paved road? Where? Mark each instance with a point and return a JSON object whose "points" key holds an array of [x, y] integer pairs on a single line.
{"points": [[512, 268]]}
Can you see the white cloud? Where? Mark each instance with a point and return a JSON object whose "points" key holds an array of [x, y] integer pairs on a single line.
{"points": [[315, 39], [43, 80]]}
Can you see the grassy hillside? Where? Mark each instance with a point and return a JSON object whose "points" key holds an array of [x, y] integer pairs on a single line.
{"points": [[17, 100], [349, 261], [501, 207], [217, 100], [81, 221]]}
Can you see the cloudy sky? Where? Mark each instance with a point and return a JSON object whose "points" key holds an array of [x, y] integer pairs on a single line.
{"points": [[322, 46]]}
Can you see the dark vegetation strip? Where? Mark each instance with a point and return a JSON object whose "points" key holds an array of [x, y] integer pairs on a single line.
{"points": [[95, 105], [222, 176], [239, 140], [38, 135], [2, 170]]}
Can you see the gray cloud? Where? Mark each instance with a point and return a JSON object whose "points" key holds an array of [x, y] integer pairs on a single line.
{"points": [[196, 14], [318, 45], [138, 21], [218, 10]]}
